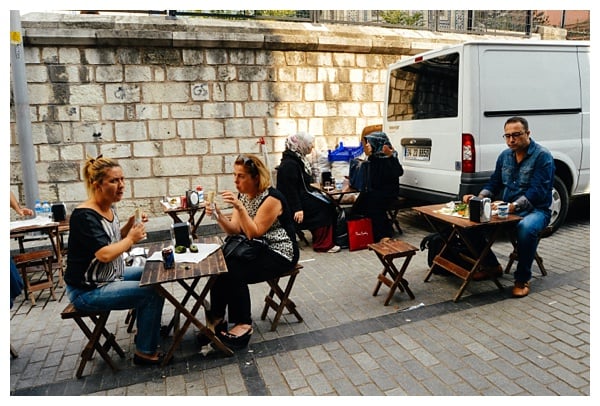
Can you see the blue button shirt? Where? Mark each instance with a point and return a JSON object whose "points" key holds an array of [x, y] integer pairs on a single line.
{"points": [[528, 183]]}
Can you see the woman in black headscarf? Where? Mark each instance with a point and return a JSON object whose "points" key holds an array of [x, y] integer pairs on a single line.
{"points": [[294, 176], [384, 184]]}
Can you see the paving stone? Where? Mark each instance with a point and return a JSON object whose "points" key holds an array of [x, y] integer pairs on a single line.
{"points": [[350, 344]]}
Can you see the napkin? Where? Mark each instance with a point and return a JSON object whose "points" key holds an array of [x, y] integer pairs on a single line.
{"points": [[36, 221]]}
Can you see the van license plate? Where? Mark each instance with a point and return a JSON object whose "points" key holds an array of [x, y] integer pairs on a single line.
{"points": [[416, 153]]}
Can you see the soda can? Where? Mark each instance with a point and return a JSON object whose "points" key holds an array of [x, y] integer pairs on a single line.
{"points": [[168, 258]]}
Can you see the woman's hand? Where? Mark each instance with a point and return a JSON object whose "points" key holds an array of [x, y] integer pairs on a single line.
{"points": [[25, 211], [387, 150], [137, 232], [299, 216], [210, 209], [231, 198]]}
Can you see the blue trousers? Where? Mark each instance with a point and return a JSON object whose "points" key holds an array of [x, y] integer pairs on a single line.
{"points": [[527, 231], [16, 282], [122, 295]]}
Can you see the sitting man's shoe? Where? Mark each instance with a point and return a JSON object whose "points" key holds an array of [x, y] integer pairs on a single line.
{"points": [[521, 289], [488, 272]]}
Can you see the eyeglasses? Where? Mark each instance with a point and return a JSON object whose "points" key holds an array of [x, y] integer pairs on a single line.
{"points": [[513, 135], [246, 161]]}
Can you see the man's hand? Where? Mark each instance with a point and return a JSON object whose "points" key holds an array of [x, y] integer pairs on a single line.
{"points": [[466, 198]]}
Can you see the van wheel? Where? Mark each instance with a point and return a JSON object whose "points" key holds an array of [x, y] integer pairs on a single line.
{"points": [[560, 204]]}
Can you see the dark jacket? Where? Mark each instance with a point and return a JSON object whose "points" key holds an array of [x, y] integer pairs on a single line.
{"points": [[293, 182], [385, 175]]}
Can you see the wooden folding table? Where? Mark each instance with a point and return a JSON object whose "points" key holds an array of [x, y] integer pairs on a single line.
{"points": [[188, 275], [195, 216], [436, 216]]}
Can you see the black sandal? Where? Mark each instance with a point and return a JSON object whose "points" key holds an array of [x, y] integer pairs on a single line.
{"points": [[236, 342], [202, 339]]}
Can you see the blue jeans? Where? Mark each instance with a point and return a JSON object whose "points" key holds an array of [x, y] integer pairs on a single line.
{"points": [[527, 231], [16, 282], [122, 295]]}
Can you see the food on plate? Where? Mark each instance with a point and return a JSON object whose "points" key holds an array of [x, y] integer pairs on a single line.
{"points": [[180, 249], [193, 248], [461, 209]]}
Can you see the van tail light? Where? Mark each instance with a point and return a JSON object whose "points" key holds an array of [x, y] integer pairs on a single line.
{"points": [[468, 153]]}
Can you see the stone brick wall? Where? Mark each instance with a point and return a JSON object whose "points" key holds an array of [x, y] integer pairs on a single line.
{"points": [[176, 101]]}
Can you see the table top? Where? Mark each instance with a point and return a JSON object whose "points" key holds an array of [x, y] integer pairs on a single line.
{"points": [[155, 272], [33, 224], [333, 192], [183, 209], [433, 211]]}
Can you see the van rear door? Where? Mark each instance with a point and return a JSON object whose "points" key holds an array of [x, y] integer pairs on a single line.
{"points": [[422, 121]]}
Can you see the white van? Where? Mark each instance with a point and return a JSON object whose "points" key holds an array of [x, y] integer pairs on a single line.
{"points": [[447, 108]]}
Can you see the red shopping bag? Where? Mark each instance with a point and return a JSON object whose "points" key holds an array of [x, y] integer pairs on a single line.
{"points": [[360, 233]]}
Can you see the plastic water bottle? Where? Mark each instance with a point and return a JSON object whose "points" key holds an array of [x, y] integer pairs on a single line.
{"points": [[39, 212], [47, 210]]}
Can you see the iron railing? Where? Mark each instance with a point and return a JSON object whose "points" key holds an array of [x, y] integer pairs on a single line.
{"points": [[489, 22]]}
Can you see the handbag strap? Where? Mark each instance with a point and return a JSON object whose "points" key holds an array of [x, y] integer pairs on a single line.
{"points": [[304, 183]]}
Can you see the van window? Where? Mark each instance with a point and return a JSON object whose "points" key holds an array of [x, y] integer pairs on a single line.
{"points": [[424, 90]]}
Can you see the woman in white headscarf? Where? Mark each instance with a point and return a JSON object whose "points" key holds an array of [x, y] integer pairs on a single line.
{"points": [[294, 176]]}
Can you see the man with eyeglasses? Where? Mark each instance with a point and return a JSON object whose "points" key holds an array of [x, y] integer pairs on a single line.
{"points": [[523, 178]]}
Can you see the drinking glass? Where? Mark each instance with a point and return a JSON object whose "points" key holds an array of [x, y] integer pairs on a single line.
{"points": [[209, 197]]}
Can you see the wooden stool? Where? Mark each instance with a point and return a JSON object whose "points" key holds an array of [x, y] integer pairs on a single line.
{"points": [[36, 258], [392, 211], [387, 251], [283, 296], [514, 255], [99, 321]]}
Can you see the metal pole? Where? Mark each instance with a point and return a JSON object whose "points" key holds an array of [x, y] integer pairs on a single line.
{"points": [[528, 21], [23, 120]]}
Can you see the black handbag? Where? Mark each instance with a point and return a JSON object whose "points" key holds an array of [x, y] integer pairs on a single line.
{"points": [[315, 193], [239, 246]]}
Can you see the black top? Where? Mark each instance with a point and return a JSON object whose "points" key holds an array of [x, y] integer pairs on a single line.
{"points": [[88, 232], [385, 175], [286, 219], [293, 182]]}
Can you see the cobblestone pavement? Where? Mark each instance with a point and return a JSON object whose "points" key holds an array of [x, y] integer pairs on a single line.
{"points": [[349, 342]]}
